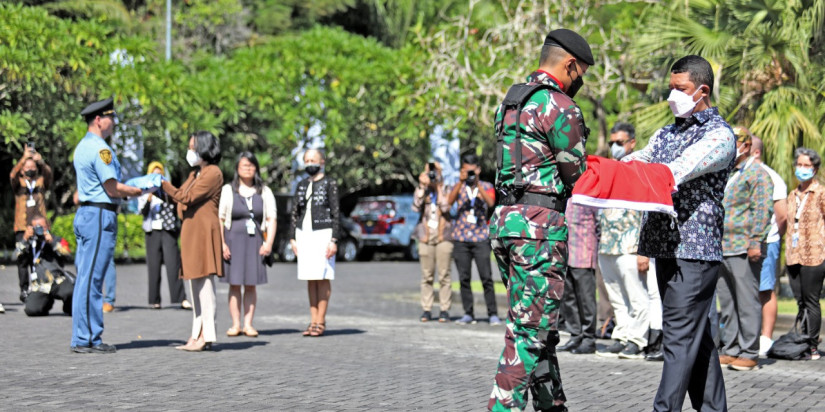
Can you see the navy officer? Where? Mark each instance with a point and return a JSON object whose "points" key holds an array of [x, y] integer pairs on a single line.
{"points": [[95, 224]]}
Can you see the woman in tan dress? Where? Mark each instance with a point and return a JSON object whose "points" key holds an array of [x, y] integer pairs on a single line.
{"points": [[200, 235]]}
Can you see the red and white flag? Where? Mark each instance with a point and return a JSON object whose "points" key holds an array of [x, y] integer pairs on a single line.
{"points": [[633, 185]]}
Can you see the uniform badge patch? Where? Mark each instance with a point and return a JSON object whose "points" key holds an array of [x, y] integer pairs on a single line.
{"points": [[106, 156]]}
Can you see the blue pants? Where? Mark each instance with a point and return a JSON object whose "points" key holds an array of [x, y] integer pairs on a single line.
{"points": [[767, 279], [109, 282], [96, 231]]}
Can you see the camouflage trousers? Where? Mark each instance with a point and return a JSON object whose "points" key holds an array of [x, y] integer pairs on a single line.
{"points": [[534, 273]]}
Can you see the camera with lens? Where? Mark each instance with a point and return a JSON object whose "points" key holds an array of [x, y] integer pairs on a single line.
{"points": [[39, 232], [432, 172], [471, 177]]}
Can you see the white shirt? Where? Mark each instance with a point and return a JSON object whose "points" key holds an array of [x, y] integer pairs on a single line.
{"points": [[780, 191]]}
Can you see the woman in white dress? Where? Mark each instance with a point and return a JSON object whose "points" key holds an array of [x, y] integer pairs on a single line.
{"points": [[315, 226]]}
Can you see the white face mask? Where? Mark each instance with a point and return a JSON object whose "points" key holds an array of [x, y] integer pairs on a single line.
{"points": [[681, 103], [617, 151], [192, 158]]}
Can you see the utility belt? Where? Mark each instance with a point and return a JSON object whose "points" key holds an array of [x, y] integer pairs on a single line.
{"points": [[506, 197], [107, 206]]}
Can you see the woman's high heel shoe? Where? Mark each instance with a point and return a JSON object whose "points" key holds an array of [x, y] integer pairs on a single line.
{"points": [[198, 347], [190, 342]]}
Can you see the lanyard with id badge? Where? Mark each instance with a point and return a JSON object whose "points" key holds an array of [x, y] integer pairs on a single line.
{"points": [[35, 258], [250, 223], [472, 194], [31, 186], [795, 235], [432, 222]]}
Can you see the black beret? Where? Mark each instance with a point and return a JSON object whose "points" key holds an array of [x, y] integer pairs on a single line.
{"points": [[571, 42], [102, 108]]}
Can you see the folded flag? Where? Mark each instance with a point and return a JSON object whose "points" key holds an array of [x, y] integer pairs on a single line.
{"points": [[148, 183], [633, 185]]}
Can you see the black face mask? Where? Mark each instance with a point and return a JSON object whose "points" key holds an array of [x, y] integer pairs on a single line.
{"points": [[312, 170], [30, 173], [575, 86]]}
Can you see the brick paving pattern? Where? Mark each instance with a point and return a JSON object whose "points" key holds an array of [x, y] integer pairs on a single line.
{"points": [[375, 356]]}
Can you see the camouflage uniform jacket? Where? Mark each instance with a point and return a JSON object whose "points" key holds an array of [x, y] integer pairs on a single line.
{"points": [[553, 157]]}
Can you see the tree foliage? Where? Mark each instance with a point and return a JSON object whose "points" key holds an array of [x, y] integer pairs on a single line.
{"points": [[768, 61], [376, 75]]}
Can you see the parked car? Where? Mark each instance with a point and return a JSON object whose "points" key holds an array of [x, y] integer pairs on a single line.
{"points": [[348, 246], [386, 223]]}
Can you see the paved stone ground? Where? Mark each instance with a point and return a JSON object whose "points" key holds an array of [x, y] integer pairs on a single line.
{"points": [[376, 356]]}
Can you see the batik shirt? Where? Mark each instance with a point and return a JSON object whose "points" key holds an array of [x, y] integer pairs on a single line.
{"points": [[583, 244], [700, 151], [748, 209], [809, 248], [553, 137], [472, 229], [619, 231]]}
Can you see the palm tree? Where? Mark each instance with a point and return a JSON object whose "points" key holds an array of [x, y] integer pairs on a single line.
{"points": [[768, 62]]}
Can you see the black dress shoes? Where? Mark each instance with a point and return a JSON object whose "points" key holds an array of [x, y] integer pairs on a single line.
{"points": [[101, 348], [573, 343], [656, 356], [586, 347]]}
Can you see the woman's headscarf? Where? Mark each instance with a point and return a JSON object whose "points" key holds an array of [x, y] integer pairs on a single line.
{"points": [[155, 165]]}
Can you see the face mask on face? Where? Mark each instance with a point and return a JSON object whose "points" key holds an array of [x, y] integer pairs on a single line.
{"points": [[617, 151], [804, 174], [681, 103], [740, 152], [30, 173], [312, 170], [576, 85], [192, 158]]}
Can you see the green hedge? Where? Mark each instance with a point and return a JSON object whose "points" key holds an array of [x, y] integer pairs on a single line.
{"points": [[130, 235]]}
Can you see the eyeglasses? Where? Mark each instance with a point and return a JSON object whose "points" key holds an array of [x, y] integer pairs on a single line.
{"points": [[619, 142]]}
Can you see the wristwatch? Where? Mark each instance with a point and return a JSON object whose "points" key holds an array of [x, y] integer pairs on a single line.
{"points": [[334, 240]]}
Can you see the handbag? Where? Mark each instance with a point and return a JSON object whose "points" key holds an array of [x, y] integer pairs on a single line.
{"points": [[793, 345]]}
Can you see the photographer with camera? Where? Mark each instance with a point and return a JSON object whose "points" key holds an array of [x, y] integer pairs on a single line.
{"points": [[471, 237], [43, 256], [30, 178], [434, 246]]}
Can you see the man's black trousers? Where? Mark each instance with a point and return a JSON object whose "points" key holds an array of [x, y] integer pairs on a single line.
{"points": [[464, 253], [578, 306], [691, 361]]}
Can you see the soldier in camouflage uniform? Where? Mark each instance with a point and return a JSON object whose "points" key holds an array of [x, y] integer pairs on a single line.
{"points": [[541, 139]]}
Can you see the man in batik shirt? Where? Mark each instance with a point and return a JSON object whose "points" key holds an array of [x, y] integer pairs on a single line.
{"points": [[699, 148], [748, 206]]}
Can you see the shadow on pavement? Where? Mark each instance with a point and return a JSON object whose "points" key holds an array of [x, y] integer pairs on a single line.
{"points": [[220, 346], [128, 308], [270, 332], [333, 332], [149, 343]]}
